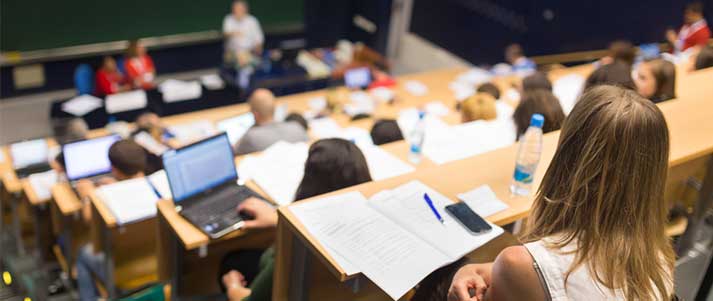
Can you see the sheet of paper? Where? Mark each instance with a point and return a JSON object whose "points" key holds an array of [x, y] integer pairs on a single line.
{"points": [[126, 101], [356, 135], [176, 90], [483, 201], [468, 139], [567, 90], [236, 126], [409, 117], [194, 131], [27, 153], [129, 200], [461, 90], [248, 166], [383, 165], [212, 82], [150, 144], [360, 103], [81, 105], [42, 184], [437, 108], [318, 103], [159, 181], [281, 112], [474, 77], [281, 170], [503, 110], [325, 127], [416, 88], [406, 206], [393, 258], [383, 94]]}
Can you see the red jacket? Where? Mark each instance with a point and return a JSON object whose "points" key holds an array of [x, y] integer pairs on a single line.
{"points": [[108, 82], [140, 71], [695, 34]]}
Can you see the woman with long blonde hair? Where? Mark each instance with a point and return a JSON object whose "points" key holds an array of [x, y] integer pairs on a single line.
{"points": [[596, 230]]}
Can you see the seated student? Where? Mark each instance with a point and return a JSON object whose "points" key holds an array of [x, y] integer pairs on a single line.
{"points": [[704, 59], [616, 73], [266, 131], [515, 56], [694, 32], [541, 102], [596, 231], [150, 123], [537, 80], [139, 66], [69, 130], [480, 106], [489, 88], [656, 80], [385, 131], [128, 161], [332, 164], [298, 118], [620, 51], [108, 78]]}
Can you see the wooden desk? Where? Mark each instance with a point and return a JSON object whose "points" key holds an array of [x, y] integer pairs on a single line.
{"points": [[67, 223], [39, 210]]}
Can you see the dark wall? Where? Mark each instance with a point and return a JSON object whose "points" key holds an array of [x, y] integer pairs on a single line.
{"points": [[479, 30], [327, 21]]}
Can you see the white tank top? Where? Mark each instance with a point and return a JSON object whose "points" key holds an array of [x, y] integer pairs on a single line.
{"points": [[553, 266]]}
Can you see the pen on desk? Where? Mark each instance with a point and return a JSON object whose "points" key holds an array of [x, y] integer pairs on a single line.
{"points": [[433, 208]]}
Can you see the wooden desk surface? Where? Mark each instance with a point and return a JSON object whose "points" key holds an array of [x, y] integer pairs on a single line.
{"points": [[30, 193], [66, 199]]}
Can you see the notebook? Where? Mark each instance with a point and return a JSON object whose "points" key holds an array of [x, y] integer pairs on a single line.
{"points": [[129, 200]]}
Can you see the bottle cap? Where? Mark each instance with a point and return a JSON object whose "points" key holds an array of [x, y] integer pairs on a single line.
{"points": [[421, 114], [537, 120]]}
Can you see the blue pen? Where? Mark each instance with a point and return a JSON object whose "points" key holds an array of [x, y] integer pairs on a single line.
{"points": [[433, 208]]}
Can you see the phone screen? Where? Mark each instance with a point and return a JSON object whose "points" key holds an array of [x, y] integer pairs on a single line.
{"points": [[468, 218]]}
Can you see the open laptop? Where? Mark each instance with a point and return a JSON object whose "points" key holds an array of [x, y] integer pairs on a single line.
{"points": [[357, 78], [88, 159], [29, 157], [236, 126], [203, 180]]}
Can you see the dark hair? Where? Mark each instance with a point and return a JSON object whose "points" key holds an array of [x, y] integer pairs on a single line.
{"points": [[622, 51], [128, 157], [705, 58], [542, 102], [664, 73], [385, 131], [616, 74], [295, 117], [514, 51], [696, 7], [132, 49], [536, 81], [489, 88], [69, 129], [332, 164]]}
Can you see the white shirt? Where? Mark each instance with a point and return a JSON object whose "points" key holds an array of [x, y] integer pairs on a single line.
{"points": [[251, 34]]}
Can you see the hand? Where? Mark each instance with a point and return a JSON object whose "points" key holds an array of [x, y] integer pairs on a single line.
{"points": [[235, 283], [671, 36], [466, 279], [264, 215], [84, 188]]}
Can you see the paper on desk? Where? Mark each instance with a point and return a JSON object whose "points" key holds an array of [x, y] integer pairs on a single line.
{"points": [[318, 103], [416, 88], [436, 108], [159, 181], [247, 167], [382, 93], [409, 117], [567, 90], [474, 77], [357, 136], [125, 101], [129, 200], [512, 94], [177, 90], [281, 170], [236, 127], [442, 145], [81, 105], [361, 103], [150, 144], [212, 82], [325, 127], [383, 165], [280, 113], [461, 90], [503, 110], [42, 184], [27, 153], [483, 201], [194, 131]]}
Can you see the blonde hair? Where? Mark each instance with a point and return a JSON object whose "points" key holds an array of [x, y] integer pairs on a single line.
{"points": [[603, 191], [477, 107]]}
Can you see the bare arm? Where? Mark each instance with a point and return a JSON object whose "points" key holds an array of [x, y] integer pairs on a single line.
{"points": [[514, 277]]}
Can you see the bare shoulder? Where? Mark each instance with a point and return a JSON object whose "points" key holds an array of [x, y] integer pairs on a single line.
{"points": [[515, 257], [514, 276]]}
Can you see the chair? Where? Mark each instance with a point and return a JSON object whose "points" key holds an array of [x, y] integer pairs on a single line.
{"points": [[84, 79]]}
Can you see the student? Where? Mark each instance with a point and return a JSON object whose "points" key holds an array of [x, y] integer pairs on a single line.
{"points": [[704, 59], [151, 123], [656, 80], [128, 161], [332, 164], [541, 102], [616, 73], [299, 119], [243, 34], [139, 66], [108, 78], [515, 56], [694, 32], [480, 106], [535, 81], [489, 88], [620, 51], [385, 131], [266, 131], [69, 130], [596, 231]]}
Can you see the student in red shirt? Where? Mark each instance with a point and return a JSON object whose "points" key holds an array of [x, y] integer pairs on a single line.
{"points": [[139, 66], [694, 31], [108, 78]]}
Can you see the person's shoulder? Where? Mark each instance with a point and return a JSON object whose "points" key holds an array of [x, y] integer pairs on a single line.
{"points": [[515, 257]]}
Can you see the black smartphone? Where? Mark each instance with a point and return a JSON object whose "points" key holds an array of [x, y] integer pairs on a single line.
{"points": [[468, 218]]}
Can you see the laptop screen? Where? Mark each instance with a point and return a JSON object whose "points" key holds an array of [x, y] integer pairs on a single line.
{"points": [[236, 126], [88, 158], [28, 153], [357, 78], [199, 167]]}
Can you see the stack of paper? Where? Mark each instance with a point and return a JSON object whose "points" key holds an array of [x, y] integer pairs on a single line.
{"points": [[129, 200], [567, 90], [416, 88], [42, 184], [212, 82], [281, 168], [150, 144], [383, 165], [191, 132], [126, 101], [176, 90], [81, 105], [28, 153], [483, 201], [393, 239], [159, 181]]}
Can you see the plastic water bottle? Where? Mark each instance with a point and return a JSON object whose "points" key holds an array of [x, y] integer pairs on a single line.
{"points": [[528, 156], [416, 139]]}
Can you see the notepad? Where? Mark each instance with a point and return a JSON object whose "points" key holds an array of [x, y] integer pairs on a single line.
{"points": [[383, 165], [28, 153], [483, 201], [42, 184], [194, 131], [81, 105], [159, 181], [126, 101], [281, 170], [396, 228], [150, 144], [129, 200]]}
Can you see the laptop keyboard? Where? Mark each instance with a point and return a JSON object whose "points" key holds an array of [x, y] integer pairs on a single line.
{"points": [[222, 204]]}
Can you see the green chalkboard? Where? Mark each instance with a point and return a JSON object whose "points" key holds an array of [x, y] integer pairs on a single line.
{"points": [[45, 24]]}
